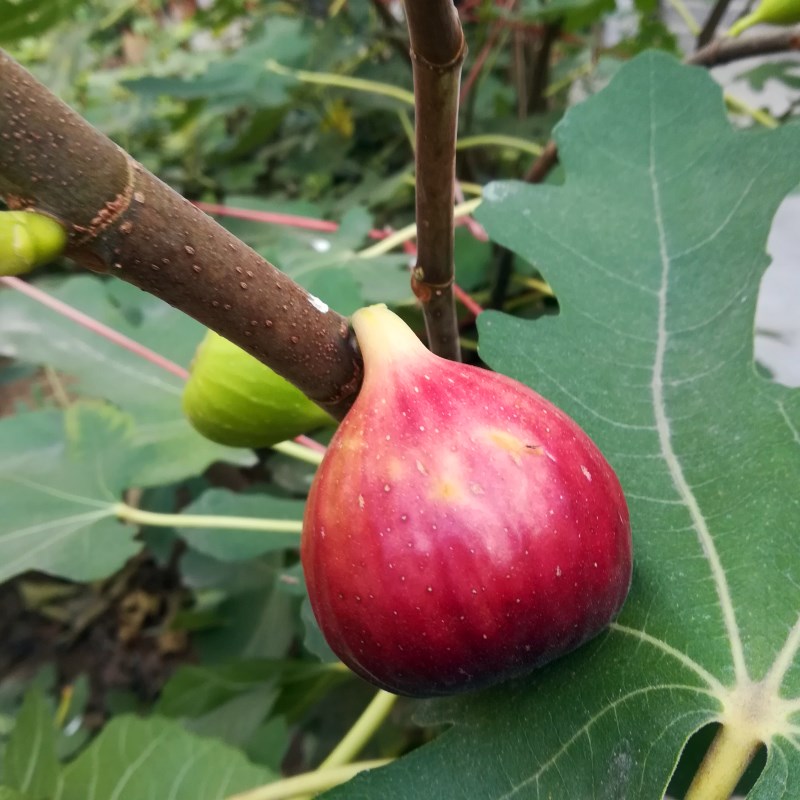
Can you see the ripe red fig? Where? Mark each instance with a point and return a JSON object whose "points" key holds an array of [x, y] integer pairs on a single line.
{"points": [[461, 529]]}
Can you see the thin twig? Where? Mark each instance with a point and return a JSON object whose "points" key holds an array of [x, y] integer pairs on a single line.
{"points": [[520, 83], [480, 60], [387, 18], [504, 269], [723, 51], [538, 171], [682, 10], [540, 73], [710, 25], [393, 29], [543, 164], [437, 53]]}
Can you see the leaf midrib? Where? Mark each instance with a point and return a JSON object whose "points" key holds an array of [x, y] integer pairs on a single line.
{"points": [[662, 421]]}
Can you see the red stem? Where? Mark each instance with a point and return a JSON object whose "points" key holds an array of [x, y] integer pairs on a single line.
{"points": [[326, 226], [119, 339], [96, 327], [275, 217], [480, 60], [468, 303]]}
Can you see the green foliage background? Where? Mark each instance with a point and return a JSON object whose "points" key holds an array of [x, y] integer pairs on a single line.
{"points": [[650, 234]]}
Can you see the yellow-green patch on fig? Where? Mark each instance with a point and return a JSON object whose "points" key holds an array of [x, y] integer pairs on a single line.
{"points": [[234, 399]]}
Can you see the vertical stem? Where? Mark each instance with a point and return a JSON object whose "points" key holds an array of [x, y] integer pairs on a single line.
{"points": [[392, 27], [520, 74], [540, 75], [383, 12], [710, 25], [504, 268], [724, 764], [437, 52]]}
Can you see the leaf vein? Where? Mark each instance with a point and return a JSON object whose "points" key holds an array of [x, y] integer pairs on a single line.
{"points": [[130, 771], [609, 274], [663, 424], [56, 493], [611, 707], [716, 687], [724, 224], [44, 527], [787, 419]]}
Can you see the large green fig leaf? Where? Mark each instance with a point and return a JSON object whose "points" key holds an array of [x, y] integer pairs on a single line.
{"points": [[130, 759], [101, 368], [136, 758], [11, 794], [30, 764], [655, 248], [61, 477], [197, 691], [21, 18]]}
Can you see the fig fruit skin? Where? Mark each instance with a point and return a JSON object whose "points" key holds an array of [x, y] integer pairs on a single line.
{"points": [[28, 240], [233, 399], [461, 529]]}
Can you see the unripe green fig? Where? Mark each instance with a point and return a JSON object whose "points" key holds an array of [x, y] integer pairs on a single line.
{"points": [[461, 529], [772, 12], [28, 240], [234, 399]]}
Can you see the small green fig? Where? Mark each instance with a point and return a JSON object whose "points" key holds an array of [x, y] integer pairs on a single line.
{"points": [[28, 240], [461, 530], [771, 12], [234, 399]]}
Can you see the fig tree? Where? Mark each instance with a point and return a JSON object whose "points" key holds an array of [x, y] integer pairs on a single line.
{"points": [[461, 529]]}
